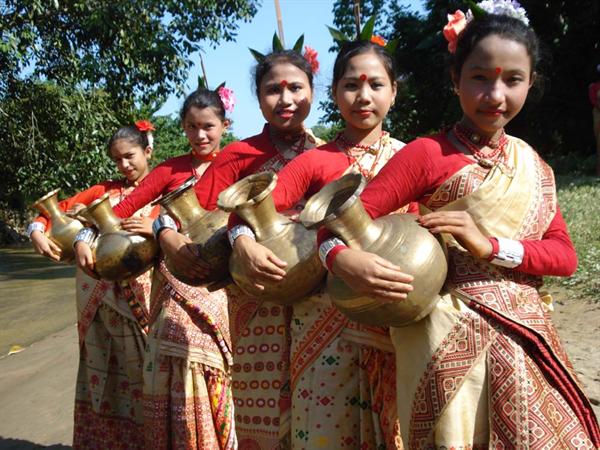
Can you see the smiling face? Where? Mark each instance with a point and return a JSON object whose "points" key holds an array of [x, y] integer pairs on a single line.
{"points": [[493, 84], [203, 129], [364, 93], [285, 97], [131, 159]]}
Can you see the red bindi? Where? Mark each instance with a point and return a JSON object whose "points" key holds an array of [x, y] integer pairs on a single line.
{"points": [[498, 70], [283, 83], [362, 77]]}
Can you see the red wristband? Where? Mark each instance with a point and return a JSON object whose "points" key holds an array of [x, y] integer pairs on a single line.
{"points": [[495, 248], [331, 256]]}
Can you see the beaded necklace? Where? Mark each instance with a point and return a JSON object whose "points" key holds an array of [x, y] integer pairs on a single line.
{"points": [[475, 142], [297, 143], [356, 157]]}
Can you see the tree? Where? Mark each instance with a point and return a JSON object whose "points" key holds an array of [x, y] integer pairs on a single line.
{"points": [[52, 136], [132, 50]]}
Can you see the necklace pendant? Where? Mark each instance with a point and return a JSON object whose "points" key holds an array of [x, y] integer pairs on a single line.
{"points": [[485, 163]]}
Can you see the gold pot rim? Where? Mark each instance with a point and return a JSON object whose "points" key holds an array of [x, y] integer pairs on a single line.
{"points": [[45, 197], [224, 200], [187, 184], [96, 202], [308, 216]]}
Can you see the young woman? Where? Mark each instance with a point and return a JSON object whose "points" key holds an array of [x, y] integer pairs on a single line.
{"points": [[112, 317], [187, 389], [284, 88], [334, 360], [486, 368]]}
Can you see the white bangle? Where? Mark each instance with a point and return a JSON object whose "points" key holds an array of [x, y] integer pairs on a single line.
{"points": [[87, 235], [327, 246], [161, 222], [510, 253], [35, 226], [239, 230]]}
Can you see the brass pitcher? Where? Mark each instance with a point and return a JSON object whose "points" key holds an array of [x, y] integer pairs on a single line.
{"points": [[207, 229], [118, 254], [397, 238], [63, 229], [251, 199]]}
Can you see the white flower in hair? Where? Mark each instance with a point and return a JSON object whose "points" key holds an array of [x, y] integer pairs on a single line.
{"points": [[510, 8], [150, 139]]}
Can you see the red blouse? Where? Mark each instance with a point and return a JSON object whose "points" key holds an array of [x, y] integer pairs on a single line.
{"points": [[306, 175], [422, 166], [164, 178], [236, 161]]}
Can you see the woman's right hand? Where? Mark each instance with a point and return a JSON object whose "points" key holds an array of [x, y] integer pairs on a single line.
{"points": [[84, 258], [260, 264], [44, 246], [182, 253], [372, 275]]}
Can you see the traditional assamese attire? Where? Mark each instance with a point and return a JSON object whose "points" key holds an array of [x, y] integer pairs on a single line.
{"points": [[342, 373], [259, 330], [112, 322], [187, 382], [486, 368]]}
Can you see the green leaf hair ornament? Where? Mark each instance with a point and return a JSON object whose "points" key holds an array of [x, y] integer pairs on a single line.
{"points": [[278, 47], [366, 34]]}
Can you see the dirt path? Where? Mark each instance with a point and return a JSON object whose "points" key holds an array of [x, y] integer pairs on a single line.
{"points": [[37, 385]]}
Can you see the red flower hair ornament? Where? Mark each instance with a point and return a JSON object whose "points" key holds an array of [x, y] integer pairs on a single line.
{"points": [[310, 54], [144, 125]]}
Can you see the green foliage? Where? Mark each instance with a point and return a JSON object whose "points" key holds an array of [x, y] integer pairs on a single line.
{"points": [[133, 50], [578, 198], [327, 132], [52, 136]]}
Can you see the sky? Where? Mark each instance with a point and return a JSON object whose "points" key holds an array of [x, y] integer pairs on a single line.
{"points": [[232, 62]]}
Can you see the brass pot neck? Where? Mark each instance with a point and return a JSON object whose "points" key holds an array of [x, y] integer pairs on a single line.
{"points": [[103, 215], [251, 199], [353, 225], [48, 206], [182, 204], [338, 207]]}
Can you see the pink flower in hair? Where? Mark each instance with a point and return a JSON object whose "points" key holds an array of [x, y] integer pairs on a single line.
{"points": [[227, 98], [310, 54], [456, 24]]}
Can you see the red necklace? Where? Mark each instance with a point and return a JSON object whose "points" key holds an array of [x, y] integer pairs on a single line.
{"points": [[296, 145], [475, 142], [205, 158], [347, 147]]}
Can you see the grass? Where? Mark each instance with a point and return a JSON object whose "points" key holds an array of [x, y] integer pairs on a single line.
{"points": [[579, 200]]}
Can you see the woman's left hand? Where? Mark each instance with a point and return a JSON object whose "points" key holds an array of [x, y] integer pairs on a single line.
{"points": [[138, 225], [459, 224]]}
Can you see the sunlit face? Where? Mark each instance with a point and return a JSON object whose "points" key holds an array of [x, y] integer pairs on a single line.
{"points": [[285, 97], [365, 92], [203, 129], [493, 84], [131, 159]]}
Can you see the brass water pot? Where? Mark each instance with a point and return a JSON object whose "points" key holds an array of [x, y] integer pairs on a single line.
{"points": [[250, 198], [397, 238], [207, 229], [118, 254], [63, 229]]}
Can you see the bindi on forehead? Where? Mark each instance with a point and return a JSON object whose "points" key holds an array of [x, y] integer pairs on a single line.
{"points": [[362, 77], [283, 83], [498, 70]]}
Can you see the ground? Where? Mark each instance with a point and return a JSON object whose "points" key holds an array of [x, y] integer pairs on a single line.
{"points": [[37, 314]]}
